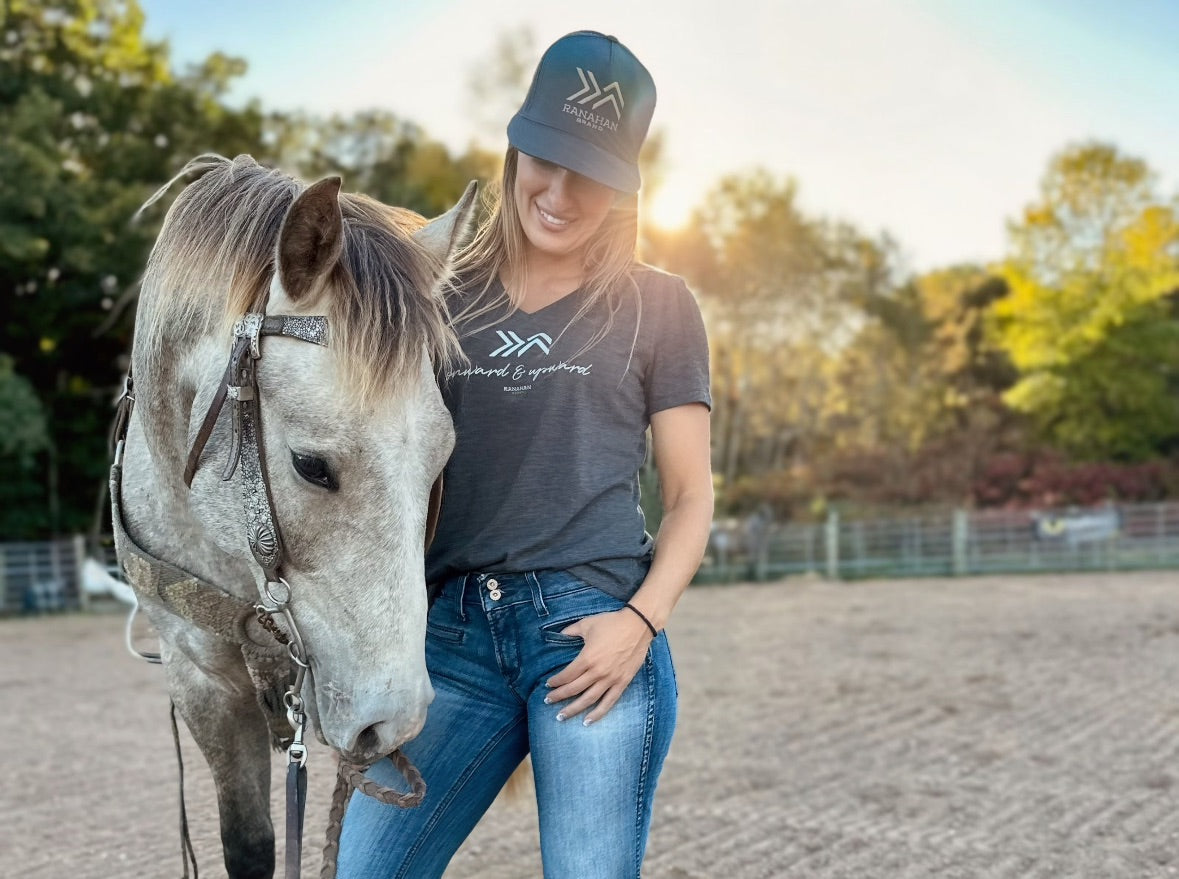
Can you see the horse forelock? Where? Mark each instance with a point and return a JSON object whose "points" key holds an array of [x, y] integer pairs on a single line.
{"points": [[385, 304], [214, 259]]}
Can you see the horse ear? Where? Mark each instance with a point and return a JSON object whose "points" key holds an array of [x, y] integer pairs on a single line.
{"points": [[311, 239], [444, 235]]}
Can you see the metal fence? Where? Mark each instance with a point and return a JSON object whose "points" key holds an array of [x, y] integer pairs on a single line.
{"points": [[46, 577], [952, 543], [42, 577]]}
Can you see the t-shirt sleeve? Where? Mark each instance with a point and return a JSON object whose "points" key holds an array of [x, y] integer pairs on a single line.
{"points": [[678, 372]]}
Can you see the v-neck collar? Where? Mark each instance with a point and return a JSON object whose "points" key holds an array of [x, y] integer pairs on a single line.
{"points": [[554, 306]]}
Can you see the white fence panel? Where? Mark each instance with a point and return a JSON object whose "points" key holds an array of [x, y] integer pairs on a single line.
{"points": [[41, 577], [953, 542]]}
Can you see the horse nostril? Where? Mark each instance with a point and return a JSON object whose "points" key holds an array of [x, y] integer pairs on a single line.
{"points": [[368, 741]]}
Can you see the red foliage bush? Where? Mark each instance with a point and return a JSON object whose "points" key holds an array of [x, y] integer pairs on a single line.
{"points": [[1047, 480]]}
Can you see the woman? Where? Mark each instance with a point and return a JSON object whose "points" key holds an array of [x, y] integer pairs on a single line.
{"points": [[546, 634]]}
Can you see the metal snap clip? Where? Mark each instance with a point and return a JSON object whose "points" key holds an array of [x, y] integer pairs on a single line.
{"points": [[493, 589]]}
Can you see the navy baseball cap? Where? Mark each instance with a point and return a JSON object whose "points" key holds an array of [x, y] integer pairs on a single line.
{"points": [[588, 109]]}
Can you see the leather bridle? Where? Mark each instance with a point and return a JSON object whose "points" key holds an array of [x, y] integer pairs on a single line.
{"points": [[239, 386]]}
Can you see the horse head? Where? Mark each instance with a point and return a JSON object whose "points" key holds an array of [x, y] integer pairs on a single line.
{"points": [[352, 435]]}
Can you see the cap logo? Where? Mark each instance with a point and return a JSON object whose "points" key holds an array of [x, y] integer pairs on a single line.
{"points": [[591, 91]]}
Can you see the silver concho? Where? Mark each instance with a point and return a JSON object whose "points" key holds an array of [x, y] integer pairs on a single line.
{"points": [[263, 538]]}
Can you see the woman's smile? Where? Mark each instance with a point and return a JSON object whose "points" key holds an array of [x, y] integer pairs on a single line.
{"points": [[560, 210], [552, 219]]}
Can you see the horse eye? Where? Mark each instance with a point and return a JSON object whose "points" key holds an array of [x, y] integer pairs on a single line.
{"points": [[314, 470]]}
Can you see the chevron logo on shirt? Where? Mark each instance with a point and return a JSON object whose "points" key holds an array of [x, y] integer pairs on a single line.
{"points": [[513, 344]]}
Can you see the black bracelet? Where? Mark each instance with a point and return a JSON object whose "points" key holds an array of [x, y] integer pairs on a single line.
{"points": [[642, 616]]}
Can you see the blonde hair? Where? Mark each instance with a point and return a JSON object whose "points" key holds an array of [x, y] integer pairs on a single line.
{"points": [[498, 249]]}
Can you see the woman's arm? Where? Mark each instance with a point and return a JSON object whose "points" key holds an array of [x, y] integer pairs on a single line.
{"points": [[616, 643], [682, 448]]}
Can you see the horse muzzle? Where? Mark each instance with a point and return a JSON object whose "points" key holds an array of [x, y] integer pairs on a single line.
{"points": [[365, 725]]}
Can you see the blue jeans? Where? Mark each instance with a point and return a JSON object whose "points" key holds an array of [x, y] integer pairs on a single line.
{"points": [[490, 650]]}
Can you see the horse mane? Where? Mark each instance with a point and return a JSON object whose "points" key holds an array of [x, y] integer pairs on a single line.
{"points": [[215, 256]]}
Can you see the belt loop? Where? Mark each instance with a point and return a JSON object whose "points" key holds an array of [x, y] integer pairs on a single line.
{"points": [[462, 592], [537, 596]]}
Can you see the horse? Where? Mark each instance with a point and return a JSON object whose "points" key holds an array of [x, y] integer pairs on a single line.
{"points": [[278, 546]]}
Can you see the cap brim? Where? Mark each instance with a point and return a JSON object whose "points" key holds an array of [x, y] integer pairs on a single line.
{"points": [[572, 152]]}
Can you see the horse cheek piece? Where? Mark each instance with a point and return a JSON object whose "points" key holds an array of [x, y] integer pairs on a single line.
{"points": [[309, 245]]}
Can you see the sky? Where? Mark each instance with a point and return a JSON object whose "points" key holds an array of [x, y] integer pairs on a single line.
{"points": [[931, 120]]}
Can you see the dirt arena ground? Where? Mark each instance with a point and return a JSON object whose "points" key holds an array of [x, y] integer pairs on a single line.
{"points": [[992, 727]]}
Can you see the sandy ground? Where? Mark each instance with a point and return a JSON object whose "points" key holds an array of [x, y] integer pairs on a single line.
{"points": [[997, 727]]}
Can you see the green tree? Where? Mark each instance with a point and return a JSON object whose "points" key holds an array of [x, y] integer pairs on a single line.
{"points": [[24, 434], [92, 120], [1090, 321], [915, 410]]}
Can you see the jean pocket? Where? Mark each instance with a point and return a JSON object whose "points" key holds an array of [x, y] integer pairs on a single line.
{"points": [[551, 632], [445, 633], [444, 622], [572, 607]]}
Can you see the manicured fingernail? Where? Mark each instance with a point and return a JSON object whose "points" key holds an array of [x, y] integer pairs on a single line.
{"points": [[560, 717], [548, 701], [587, 721]]}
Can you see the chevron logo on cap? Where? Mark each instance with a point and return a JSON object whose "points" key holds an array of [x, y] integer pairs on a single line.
{"points": [[591, 91]]}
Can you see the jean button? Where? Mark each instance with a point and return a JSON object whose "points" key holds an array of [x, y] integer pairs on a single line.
{"points": [[493, 589]]}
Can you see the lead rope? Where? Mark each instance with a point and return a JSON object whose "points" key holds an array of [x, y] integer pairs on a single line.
{"points": [[350, 776]]}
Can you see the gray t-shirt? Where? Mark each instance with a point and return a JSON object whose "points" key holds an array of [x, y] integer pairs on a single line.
{"points": [[544, 474]]}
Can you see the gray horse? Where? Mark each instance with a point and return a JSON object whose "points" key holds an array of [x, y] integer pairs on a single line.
{"points": [[352, 433]]}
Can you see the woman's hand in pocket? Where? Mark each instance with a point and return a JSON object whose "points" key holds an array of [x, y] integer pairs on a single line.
{"points": [[615, 646]]}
